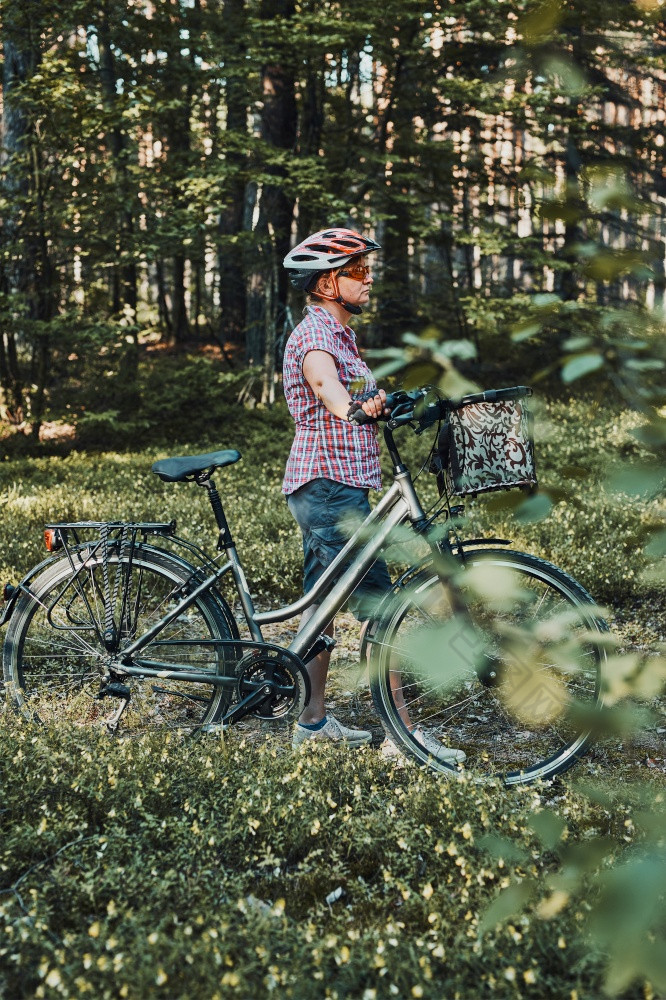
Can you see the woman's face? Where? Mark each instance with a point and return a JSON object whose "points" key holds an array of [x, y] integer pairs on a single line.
{"points": [[354, 285]]}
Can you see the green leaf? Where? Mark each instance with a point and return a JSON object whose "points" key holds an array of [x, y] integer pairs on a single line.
{"points": [[560, 209], [535, 508], [609, 265], [628, 914], [525, 331], [500, 847], [539, 24], [548, 827], [543, 299], [656, 547], [576, 343], [640, 480], [420, 374], [509, 903], [389, 368], [582, 364], [566, 74], [645, 364], [651, 434]]}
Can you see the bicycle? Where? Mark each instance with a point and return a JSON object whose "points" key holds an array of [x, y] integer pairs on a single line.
{"points": [[496, 651]]}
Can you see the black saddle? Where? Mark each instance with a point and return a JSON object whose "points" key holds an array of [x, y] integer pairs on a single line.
{"points": [[178, 470]]}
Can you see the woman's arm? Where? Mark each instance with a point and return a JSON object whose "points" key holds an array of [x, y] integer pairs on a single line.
{"points": [[322, 376]]}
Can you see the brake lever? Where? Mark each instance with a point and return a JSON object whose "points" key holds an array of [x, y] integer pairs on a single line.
{"points": [[400, 419]]}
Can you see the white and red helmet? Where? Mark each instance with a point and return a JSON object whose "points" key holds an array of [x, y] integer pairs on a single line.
{"points": [[325, 251]]}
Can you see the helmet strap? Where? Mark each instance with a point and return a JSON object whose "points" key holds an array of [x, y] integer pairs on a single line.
{"points": [[336, 297]]}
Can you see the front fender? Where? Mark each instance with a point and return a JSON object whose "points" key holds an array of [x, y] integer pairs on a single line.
{"points": [[459, 551]]}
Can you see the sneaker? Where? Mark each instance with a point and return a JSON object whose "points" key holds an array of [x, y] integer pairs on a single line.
{"points": [[436, 749], [333, 731], [391, 752]]}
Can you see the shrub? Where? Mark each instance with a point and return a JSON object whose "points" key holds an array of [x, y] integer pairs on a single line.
{"points": [[154, 868]]}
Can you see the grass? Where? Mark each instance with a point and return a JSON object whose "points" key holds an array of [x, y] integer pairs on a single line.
{"points": [[161, 868]]}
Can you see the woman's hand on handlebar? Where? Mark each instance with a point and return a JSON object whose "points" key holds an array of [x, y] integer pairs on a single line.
{"points": [[369, 410]]}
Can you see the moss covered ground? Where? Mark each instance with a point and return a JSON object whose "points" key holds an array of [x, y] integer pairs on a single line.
{"points": [[233, 867]]}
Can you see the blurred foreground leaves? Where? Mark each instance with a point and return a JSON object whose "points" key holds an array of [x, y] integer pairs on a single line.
{"points": [[621, 354]]}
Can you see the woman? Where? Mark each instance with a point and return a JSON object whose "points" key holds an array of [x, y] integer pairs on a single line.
{"points": [[333, 464]]}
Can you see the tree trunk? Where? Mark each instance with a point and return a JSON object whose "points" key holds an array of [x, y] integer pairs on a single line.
{"points": [[572, 234], [124, 276], [278, 129], [18, 64], [312, 123], [256, 302], [396, 312], [232, 317], [181, 326], [31, 278], [117, 144], [163, 309]]}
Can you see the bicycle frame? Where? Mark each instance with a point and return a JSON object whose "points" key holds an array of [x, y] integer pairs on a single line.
{"points": [[399, 504]]}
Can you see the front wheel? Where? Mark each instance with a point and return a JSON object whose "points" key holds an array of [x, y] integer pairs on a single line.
{"points": [[54, 657], [501, 664]]}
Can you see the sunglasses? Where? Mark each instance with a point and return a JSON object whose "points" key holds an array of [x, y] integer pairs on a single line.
{"points": [[357, 272]]}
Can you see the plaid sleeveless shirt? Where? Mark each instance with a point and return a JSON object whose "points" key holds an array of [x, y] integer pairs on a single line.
{"points": [[324, 445]]}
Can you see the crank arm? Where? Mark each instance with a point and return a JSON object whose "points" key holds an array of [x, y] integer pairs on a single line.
{"points": [[245, 706]]}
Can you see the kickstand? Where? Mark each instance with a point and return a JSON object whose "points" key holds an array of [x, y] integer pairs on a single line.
{"points": [[113, 722]]}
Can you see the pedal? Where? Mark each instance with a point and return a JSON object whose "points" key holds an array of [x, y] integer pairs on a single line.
{"points": [[322, 643]]}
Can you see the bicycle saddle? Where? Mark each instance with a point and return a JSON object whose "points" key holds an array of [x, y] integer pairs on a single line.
{"points": [[177, 470]]}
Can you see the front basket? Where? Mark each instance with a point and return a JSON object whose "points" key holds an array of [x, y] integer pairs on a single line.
{"points": [[486, 447]]}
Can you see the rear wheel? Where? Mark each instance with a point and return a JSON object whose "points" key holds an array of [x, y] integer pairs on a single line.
{"points": [[54, 656], [502, 665]]}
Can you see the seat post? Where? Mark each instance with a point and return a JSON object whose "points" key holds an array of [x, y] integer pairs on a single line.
{"points": [[225, 541]]}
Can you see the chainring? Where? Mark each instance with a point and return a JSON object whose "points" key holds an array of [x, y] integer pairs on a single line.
{"points": [[272, 667]]}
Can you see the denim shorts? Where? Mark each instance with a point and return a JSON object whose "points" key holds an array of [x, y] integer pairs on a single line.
{"points": [[327, 512]]}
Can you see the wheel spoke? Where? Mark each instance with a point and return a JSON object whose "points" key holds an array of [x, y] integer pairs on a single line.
{"points": [[55, 660], [514, 718]]}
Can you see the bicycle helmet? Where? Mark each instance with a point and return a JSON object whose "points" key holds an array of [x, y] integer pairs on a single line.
{"points": [[326, 251]]}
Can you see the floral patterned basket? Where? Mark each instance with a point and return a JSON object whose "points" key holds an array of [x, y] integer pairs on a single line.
{"points": [[487, 446]]}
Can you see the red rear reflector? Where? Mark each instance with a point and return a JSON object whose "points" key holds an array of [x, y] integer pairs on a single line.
{"points": [[52, 540]]}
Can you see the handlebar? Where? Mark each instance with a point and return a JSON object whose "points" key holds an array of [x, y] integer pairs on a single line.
{"points": [[404, 405], [493, 396]]}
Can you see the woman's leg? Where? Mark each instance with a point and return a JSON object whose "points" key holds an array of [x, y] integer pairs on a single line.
{"points": [[319, 507], [395, 680], [317, 669]]}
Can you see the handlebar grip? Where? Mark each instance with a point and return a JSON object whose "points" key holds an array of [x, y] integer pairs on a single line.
{"points": [[358, 416]]}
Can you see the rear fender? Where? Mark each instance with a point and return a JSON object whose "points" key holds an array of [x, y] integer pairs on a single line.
{"points": [[22, 586]]}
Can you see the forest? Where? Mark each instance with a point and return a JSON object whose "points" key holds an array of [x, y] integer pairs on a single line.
{"points": [[159, 159]]}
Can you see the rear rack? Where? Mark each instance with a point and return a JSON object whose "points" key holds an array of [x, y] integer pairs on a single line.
{"points": [[149, 527], [116, 535]]}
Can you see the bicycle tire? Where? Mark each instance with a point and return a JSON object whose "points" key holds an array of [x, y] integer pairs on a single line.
{"points": [[54, 659], [512, 712]]}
